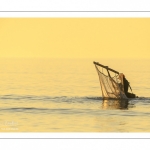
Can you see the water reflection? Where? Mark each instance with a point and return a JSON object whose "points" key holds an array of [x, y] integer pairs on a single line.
{"points": [[115, 104]]}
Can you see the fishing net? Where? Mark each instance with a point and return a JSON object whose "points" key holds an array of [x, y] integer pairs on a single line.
{"points": [[111, 83]]}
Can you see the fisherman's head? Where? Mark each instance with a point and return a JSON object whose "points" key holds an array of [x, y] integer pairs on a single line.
{"points": [[121, 74]]}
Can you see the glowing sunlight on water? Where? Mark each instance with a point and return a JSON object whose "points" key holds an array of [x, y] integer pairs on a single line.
{"points": [[64, 95]]}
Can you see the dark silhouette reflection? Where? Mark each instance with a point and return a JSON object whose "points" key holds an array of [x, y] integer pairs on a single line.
{"points": [[115, 104]]}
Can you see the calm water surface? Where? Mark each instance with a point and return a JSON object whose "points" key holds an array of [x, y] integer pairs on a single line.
{"points": [[64, 95]]}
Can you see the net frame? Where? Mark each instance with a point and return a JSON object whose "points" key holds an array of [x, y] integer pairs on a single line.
{"points": [[111, 83]]}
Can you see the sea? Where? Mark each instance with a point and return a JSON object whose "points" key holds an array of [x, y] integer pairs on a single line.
{"points": [[57, 95]]}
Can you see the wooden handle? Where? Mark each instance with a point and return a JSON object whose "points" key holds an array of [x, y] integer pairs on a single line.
{"points": [[106, 67]]}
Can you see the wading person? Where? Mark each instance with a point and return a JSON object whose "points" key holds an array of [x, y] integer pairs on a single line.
{"points": [[126, 85]]}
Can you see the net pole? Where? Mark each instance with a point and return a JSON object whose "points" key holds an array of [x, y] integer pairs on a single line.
{"points": [[106, 67]]}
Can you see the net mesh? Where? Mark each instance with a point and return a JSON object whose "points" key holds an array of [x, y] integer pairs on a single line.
{"points": [[111, 84]]}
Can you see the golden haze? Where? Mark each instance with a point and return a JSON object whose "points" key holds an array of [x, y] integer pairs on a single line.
{"points": [[75, 37]]}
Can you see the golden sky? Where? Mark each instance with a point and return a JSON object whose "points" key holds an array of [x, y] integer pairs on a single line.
{"points": [[75, 37]]}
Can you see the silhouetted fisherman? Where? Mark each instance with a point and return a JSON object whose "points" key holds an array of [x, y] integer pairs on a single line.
{"points": [[126, 85]]}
